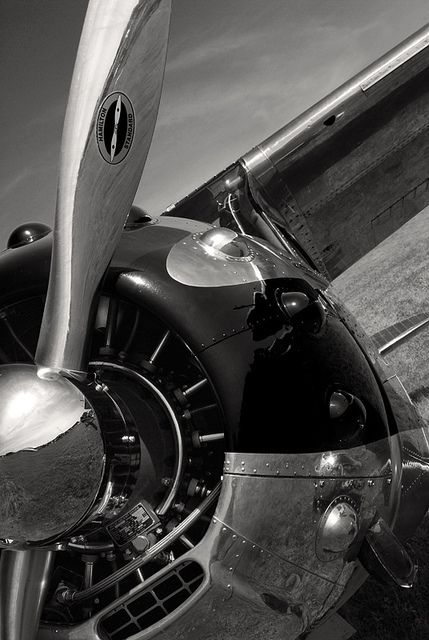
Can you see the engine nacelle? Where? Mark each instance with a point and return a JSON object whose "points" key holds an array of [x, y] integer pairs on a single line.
{"points": [[213, 356]]}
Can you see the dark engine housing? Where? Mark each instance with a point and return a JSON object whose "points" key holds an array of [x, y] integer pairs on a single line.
{"points": [[213, 355]]}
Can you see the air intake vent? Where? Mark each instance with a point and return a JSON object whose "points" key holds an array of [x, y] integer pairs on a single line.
{"points": [[147, 607]]}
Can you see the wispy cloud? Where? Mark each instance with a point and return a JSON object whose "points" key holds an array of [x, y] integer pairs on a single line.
{"points": [[8, 186], [51, 115], [222, 46], [273, 81], [225, 96]]}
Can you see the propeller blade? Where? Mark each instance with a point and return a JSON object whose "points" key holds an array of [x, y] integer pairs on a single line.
{"points": [[110, 118]]}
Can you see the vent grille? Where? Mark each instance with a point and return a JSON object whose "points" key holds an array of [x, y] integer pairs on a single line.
{"points": [[142, 610]]}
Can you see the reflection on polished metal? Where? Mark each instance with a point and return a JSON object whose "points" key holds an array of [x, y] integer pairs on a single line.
{"points": [[159, 347], [179, 465], [293, 302], [27, 233], [338, 404], [364, 461], [337, 529], [260, 491], [24, 583], [211, 437], [35, 412], [198, 260], [226, 244], [51, 456], [119, 66], [348, 415], [194, 388]]}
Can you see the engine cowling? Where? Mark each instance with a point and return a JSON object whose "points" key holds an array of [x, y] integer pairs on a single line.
{"points": [[267, 372]]}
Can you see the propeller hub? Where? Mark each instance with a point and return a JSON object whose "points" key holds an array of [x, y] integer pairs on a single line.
{"points": [[51, 456]]}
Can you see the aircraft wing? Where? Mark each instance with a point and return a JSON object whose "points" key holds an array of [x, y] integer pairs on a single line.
{"points": [[391, 337], [348, 172]]}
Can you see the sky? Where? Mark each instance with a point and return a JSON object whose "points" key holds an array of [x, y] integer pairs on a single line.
{"points": [[237, 70]]}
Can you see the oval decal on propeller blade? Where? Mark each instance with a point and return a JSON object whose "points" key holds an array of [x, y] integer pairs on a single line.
{"points": [[115, 127]]}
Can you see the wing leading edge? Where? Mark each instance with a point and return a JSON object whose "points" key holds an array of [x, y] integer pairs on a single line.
{"points": [[345, 174]]}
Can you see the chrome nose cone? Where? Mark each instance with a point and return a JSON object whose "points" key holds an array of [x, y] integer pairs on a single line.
{"points": [[34, 412], [51, 456]]}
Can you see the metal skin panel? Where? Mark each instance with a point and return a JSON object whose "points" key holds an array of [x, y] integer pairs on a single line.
{"points": [[331, 169], [406, 489], [368, 461], [348, 172], [190, 264], [248, 592], [291, 509], [251, 588]]}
